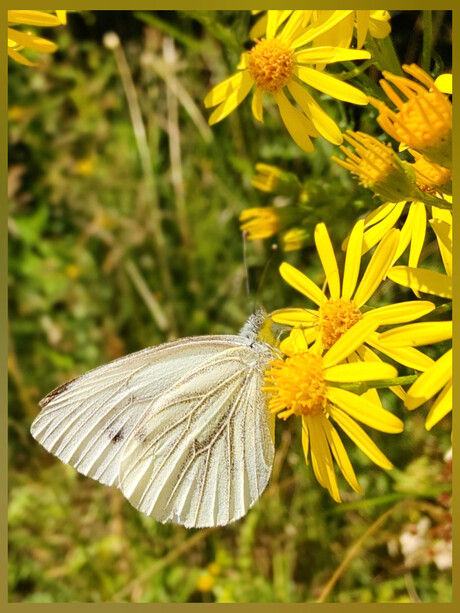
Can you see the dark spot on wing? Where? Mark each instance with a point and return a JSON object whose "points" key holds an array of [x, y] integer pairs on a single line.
{"points": [[56, 392], [117, 436]]}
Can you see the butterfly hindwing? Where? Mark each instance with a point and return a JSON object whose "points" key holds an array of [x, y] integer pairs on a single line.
{"points": [[203, 454]]}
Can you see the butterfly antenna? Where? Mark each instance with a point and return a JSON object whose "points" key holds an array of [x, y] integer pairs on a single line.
{"points": [[245, 260], [273, 250]]}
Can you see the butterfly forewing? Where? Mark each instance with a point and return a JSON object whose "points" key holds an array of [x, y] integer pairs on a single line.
{"points": [[87, 422], [203, 455]]}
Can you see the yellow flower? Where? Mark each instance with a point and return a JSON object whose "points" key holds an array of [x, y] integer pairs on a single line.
{"points": [[342, 309], [205, 582], [294, 239], [360, 22], [281, 62], [386, 176], [423, 121], [306, 385], [84, 166], [378, 167], [376, 23], [17, 40], [272, 179], [260, 222], [436, 379]]}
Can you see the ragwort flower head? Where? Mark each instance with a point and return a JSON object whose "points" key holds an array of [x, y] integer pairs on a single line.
{"points": [[423, 121], [281, 63], [306, 384], [260, 222], [342, 308], [378, 167], [358, 22]]}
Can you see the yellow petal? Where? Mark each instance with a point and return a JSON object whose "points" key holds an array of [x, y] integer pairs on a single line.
{"points": [[364, 411], [378, 230], [381, 212], [401, 312], [298, 341], [294, 25], [430, 382], [324, 125], [378, 267], [301, 283], [362, 26], [221, 91], [321, 457], [293, 317], [408, 356], [327, 257], [30, 41], [62, 16], [272, 23], [440, 408], [360, 371], [313, 31], [418, 234], [33, 18], [360, 438], [297, 124], [409, 228], [257, 108], [305, 438], [20, 58], [331, 86], [233, 100], [350, 341], [352, 260], [340, 455], [328, 55], [444, 83], [443, 231], [419, 279], [259, 28], [418, 334]]}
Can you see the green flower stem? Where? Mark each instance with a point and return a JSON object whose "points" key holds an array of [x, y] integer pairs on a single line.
{"points": [[369, 87], [384, 55], [427, 40], [433, 201], [367, 503], [361, 387]]}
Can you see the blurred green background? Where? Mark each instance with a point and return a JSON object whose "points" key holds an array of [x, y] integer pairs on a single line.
{"points": [[117, 243]]}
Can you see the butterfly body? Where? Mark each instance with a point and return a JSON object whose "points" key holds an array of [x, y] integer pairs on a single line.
{"points": [[182, 429]]}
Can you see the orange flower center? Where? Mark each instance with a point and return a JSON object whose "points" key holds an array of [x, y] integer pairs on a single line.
{"points": [[336, 317], [271, 64], [298, 385]]}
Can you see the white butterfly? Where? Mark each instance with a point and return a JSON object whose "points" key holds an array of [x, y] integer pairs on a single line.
{"points": [[182, 429]]}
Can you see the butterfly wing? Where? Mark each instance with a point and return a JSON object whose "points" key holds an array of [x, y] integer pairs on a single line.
{"points": [[203, 453], [87, 422]]}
